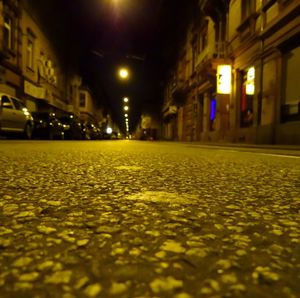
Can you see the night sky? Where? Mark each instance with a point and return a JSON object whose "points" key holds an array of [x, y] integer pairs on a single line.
{"points": [[98, 36]]}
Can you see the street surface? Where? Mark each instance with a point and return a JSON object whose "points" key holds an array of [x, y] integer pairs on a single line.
{"points": [[147, 219]]}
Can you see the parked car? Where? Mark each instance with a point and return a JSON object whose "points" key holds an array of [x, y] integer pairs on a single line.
{"points": [[14, 116], [72, 127], [84, 132], [93, 131], [46, 125]]}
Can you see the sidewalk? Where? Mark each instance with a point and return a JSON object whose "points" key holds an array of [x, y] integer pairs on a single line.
{"points": [[244, 145], [292, 150]]}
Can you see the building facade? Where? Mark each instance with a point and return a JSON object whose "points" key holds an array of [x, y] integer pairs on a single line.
{"points": [[30, 67], [10, 48], [237, 75], [89, 111]]}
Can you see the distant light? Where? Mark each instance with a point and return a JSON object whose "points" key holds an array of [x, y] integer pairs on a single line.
{"points": [[126, 115], [123, 73], [109, 130], [125, 99], [126, 108]]}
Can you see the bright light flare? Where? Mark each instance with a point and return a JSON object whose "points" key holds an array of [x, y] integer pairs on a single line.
{"points": [[224, 79], [123, 73]]}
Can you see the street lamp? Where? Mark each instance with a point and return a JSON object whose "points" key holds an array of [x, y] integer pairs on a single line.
{"points": [[123, 73], [126, 115], [125, 99], [126, 108]]}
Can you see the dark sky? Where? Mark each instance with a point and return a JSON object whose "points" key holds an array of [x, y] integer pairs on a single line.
{"points": [[101, 35]]}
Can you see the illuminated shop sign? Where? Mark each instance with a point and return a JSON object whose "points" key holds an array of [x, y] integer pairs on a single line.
{"points": [[224, 79], [250, 81]]}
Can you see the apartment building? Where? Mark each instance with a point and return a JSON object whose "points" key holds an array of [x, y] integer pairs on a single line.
{"points": [[89, 111], [48, 84], [274, 58], [236, 79], [30, 66], [10, 48]]}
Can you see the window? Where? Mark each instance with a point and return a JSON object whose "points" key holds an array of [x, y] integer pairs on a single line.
{"points": [[18, 105], [291, 104], [29, 50], [248, 7], [6, 103], [194, 55], [246, 110], [82, 100], [202, 38], [8, 33]]}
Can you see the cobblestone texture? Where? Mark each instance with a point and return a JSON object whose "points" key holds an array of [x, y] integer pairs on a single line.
{"points": [[137, 219]]}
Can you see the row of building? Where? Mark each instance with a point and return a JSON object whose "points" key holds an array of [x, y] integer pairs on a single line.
{"points": [[31, 68], [237, 78]]}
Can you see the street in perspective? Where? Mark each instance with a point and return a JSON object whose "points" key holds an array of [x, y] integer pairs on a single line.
{"points": [[128, 218]]}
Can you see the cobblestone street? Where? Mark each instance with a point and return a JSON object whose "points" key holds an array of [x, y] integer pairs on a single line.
{"points": [[147, 219]]}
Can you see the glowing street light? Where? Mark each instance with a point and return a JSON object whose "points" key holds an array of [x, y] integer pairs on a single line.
{"points": [[125, 99], [126, 108], [123, 73], [126, 115]]}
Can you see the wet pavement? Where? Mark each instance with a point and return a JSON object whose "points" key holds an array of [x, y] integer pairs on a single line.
{"points": [[147, 219]]}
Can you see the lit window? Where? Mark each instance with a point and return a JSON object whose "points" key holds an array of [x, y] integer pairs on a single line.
{"points": [[247, 92]]}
